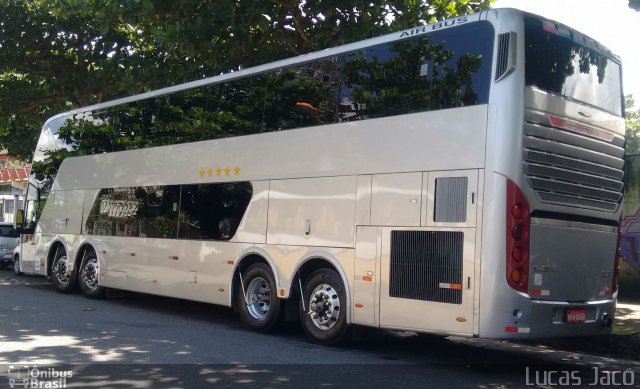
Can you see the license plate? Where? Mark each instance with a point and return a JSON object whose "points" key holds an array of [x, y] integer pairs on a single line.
{"points": [[576, 315]]}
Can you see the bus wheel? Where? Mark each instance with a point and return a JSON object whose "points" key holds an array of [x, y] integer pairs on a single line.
{"points": [[89, 276], [16, 266], [259, 307], [63, 273], [323, 315]]}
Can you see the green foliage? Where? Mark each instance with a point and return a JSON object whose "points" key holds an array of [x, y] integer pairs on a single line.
{"points": [[629, 283], [51, 64], [631, 184], [632, 134], [56, 55], [634, 4]]}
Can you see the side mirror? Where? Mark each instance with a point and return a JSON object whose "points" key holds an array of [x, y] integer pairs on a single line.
{"points": [[19, 220], [19, 227]]}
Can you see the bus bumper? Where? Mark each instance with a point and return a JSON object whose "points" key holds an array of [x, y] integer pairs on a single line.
{"points": [[554, 319]]}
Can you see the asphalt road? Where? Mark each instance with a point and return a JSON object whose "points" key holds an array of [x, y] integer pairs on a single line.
{"points": [[141, 341]]}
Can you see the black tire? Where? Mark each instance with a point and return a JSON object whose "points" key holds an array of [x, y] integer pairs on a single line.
{"points": [[16, 266], [264, 312], [324, 315], [89, 275], [63, 280]]}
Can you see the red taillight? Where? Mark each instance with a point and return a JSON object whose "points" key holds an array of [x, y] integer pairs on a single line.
{"points": [[616, 266], [518, 229]]}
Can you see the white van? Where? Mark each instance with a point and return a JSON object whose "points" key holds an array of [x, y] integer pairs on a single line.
{"points": [[9, 239]]}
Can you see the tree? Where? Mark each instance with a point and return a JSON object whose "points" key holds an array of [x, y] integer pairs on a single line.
{"points": [[50, 64], [59, 55], [632, 134], [634, 4]]}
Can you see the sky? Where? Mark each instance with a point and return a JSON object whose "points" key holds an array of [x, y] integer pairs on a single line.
{"points": [[610, 22]]}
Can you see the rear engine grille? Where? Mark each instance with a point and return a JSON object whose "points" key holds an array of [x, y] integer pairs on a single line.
{"points": [[572, 169], [427, 265]]}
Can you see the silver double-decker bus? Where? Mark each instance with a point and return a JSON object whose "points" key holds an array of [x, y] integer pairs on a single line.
{"points": [[463, 177]]}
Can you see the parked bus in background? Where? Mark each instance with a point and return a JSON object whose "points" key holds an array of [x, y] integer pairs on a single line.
{"points": [[463, 177]]}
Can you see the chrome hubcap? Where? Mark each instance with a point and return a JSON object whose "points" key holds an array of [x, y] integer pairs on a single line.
{"points": [[90, 273], [324, 306], [62, 270], [258, 298]]}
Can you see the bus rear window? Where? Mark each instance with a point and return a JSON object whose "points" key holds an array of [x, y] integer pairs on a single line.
{"points": [[567, 63]]}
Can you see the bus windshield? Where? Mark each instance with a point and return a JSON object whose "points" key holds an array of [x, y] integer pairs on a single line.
{"points": [[567, 63]]}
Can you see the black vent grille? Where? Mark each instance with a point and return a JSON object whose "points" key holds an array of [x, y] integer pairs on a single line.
{"points": [[427, 265], [450, 204], [502, 64]]}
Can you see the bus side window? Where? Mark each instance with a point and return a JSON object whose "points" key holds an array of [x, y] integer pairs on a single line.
{"points": [[159, 215], [154, 195], [213, 211], [302, 96]]}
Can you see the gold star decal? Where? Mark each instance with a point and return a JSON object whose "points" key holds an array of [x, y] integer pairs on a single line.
{"points": [[218, 172], [227, 171], [237, 170], [210, 172], [201, 172]]}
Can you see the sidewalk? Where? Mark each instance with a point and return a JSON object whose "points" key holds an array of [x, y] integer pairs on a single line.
{"points": [[626, 331], [627, 319]]}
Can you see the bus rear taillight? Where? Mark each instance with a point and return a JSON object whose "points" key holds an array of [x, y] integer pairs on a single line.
{"points": [[518, 231]]}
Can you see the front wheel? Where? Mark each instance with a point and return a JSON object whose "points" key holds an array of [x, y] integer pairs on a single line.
{"points": [[63, 272], [260, 308], [89, 276], [16, 266], [323, 308]]}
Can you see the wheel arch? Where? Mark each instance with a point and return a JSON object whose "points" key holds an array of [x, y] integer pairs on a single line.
{"points": [[319, 259], [246, 259], [82, 249], [55, 245]]}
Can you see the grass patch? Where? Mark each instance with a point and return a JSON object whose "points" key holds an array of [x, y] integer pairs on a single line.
{"points": [[623, 328], [629, 284]]}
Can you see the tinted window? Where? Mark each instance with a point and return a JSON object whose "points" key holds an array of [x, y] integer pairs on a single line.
{"points": [[213, 211], [204, 211], [158, 216], [7, 231], [442, 69], [302, 96], [565, 62], [115, 213]]}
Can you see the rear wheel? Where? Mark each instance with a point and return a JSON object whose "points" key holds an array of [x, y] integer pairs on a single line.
{"points": [[323, 314], [63, 272], [16, 266], [260, 308], [89, 275]]}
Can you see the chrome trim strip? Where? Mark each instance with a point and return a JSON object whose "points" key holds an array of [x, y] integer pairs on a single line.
{"points": [[571, 304], [573, 224]]}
